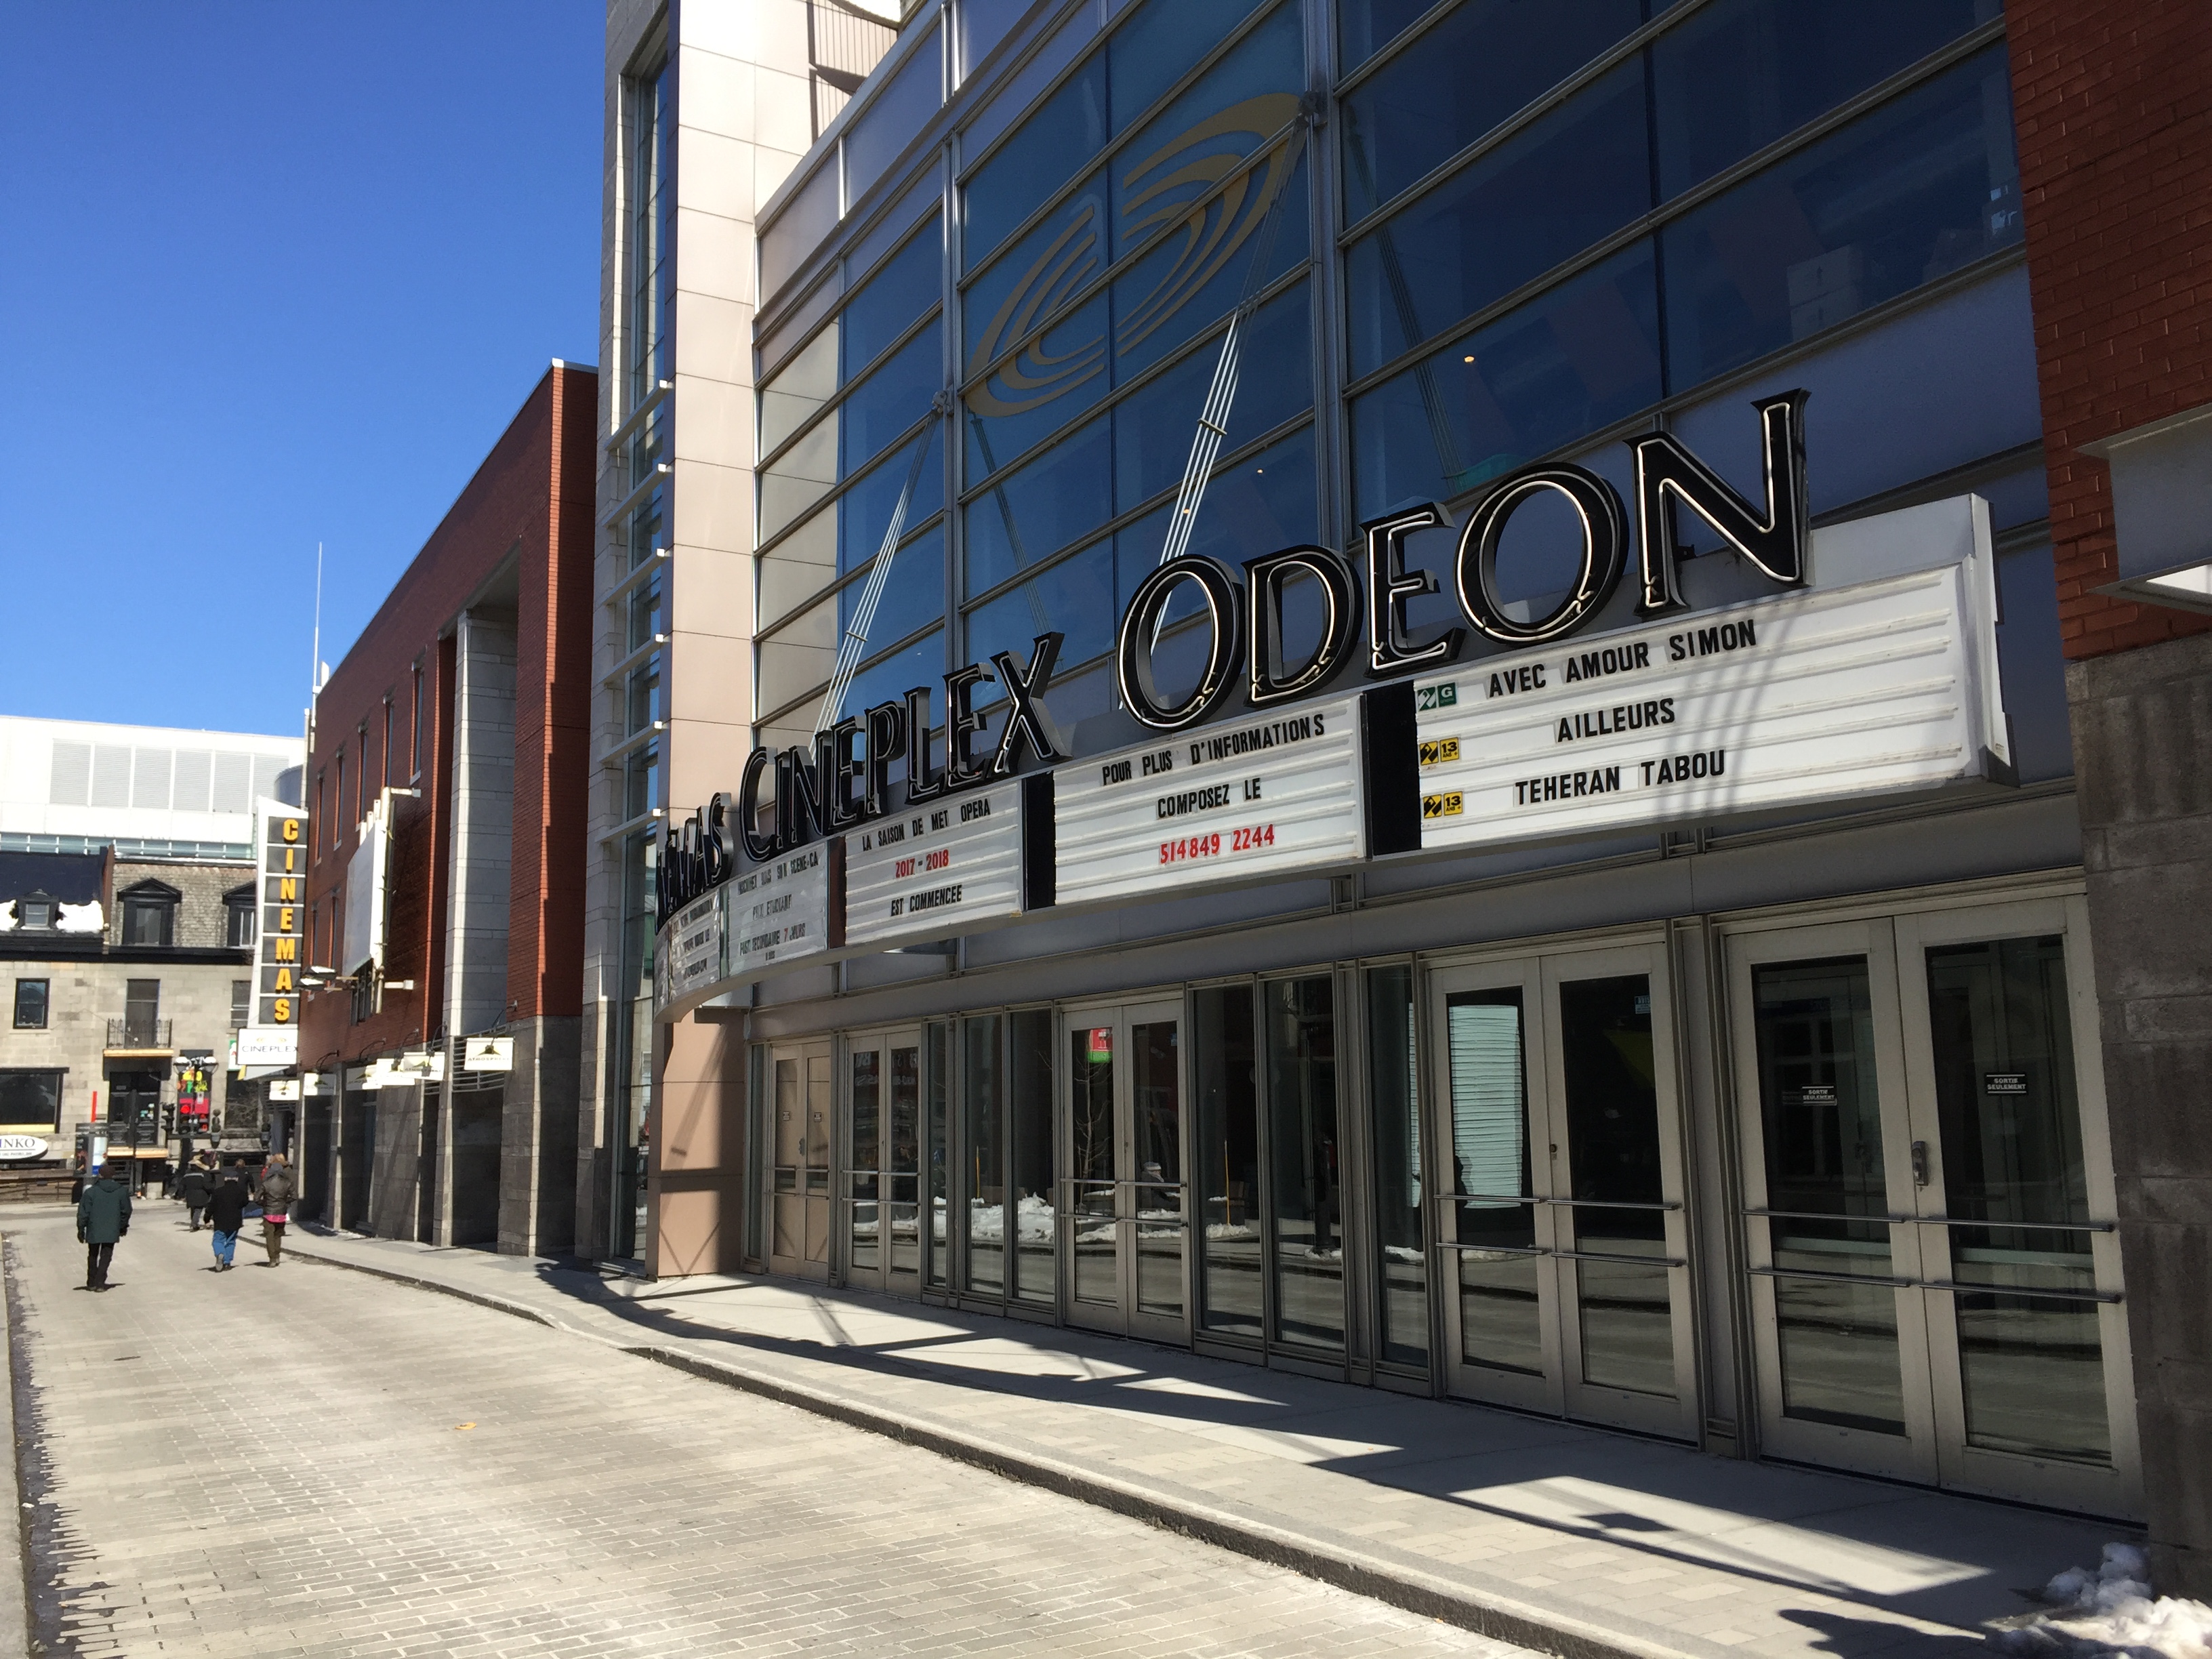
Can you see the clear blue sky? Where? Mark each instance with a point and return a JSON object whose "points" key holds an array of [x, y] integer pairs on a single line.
{"points": [[269, 274]]}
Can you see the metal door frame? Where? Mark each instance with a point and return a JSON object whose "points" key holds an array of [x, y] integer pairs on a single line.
{"points": [[800, 1196], [878, 1041], [1538, 972], [1913, 1456], [2117, 1490], [1122, 1013]]}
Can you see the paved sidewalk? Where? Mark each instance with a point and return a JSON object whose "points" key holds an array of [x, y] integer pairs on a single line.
{"points": [[1531, 1531]]}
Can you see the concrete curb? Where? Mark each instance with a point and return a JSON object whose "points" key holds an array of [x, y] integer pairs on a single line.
{"points": [[1500, 1618]]}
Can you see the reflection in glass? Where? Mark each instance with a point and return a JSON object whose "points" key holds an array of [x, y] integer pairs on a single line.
{"points": [[1461, 79], [1022, 519], [1613, 1149], [1402, 1289], [1305, 1194], [1920, 187], [1820, 1114], [902, 1173], [1228, 1140], [1091, 1163], [1156, 1104], [1499, 1314], [1030, 1079], [1502, 221], [865, 1254], [986, 1190], [2033, 1366], [1052, 143], [1152, 429], [1075, 598], [936, 1036], [902, 288]]}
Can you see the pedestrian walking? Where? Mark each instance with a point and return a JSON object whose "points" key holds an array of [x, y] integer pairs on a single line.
{"points": [[103, 1216], [276, 1191], [192, 1187], [226, 1211]]}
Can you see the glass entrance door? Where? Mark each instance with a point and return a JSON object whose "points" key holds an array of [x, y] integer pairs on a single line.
{"points": [[883, 1162], [1560, 1210], [1124, 1205], [799, 1179], [1927, 1197]]}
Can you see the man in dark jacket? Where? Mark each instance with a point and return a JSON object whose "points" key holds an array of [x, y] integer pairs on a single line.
{"points": [[227, 1215], [103, 1216], [192, 1187]]}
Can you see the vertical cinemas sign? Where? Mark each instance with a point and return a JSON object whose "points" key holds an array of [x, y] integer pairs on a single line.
{"points": [[1235, 629], [279, 944]]}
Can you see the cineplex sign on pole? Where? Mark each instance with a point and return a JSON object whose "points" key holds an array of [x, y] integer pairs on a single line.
{"points": [[912, 822]]}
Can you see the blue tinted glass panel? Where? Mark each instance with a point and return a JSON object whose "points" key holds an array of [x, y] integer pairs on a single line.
{"points": [[1075, 597], [1461, 79], [1782, 63], [1051, 145], [1243, 100], [1048, 383], [1038, 510], [892, 399], [1191, 281], [890, 678], [913, 593], [894, 115], [1035, 276], [864, 511], [1545, 194], [1154, 428], [1158, 42], [1546, 373], [1256, 506], [1920, 187], [983, 24], [879, 313]]}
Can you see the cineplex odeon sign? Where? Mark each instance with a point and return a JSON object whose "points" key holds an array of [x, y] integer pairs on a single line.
{"points": [[1809, 695]]}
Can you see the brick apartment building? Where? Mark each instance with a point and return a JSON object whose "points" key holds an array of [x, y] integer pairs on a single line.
{"points": [[2113, 109], [446, 784]]}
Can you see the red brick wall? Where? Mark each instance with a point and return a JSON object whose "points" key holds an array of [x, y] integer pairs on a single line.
{"points": [[514, 503], [2112, 101]]}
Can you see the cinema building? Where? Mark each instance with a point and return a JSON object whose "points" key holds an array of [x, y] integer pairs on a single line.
{"points": [[1409, 717]]}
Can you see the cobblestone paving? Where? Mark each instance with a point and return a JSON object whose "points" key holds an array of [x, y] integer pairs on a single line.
{"points": [[304, 1461]]}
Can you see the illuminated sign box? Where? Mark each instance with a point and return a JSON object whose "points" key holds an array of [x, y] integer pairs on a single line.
{"points": [[942, 865]]}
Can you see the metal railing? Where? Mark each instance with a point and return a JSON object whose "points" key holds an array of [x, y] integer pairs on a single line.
{"points": [[137, 1031]]}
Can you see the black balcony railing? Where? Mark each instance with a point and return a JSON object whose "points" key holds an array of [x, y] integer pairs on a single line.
{"points": [[136, 1031]]}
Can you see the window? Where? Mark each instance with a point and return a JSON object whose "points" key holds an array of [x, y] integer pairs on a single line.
{"points": [[30, 1005], [337, 802], [30, 1100], [361, 795], [142, 1012], [238, 918], [387, 739], [241, 1003], [149, 915], [34, 912], [415, 732], [322, 815]]}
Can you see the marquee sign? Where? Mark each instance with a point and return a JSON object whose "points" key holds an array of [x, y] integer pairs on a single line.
{"points": [[1275, 794], [940, 868], [690, 955], [780, 913], [280, 938], [1847, 691]]}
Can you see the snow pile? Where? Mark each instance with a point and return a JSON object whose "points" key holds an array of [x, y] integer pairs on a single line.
{"points": [[8, 917], [78, 918], [2111, 1612]]}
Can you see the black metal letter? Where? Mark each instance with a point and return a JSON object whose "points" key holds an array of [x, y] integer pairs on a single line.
{"points": [[1267, 683], [1027, 717], [1780, 542], [1604, 540]]}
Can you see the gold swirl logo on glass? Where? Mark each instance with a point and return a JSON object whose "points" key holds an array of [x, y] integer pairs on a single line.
{"points": [[1165, 193]]}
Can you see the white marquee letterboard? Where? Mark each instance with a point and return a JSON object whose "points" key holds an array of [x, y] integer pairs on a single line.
{"points": [[691, 954], [779, 912], [935, 868], [1268, 794], [1849, 691]]}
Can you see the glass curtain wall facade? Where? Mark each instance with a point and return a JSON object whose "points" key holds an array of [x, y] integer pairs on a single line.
{"points": [[1058, 299], [639, 602]]}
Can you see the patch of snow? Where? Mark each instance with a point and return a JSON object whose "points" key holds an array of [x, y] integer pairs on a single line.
{"points": [[8, 916], [79, 918], [2112, 1612]]}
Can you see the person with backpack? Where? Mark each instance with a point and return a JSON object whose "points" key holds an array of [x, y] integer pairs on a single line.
{"points": [[227, 1215], [103, 1217], [276, 1190]]}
